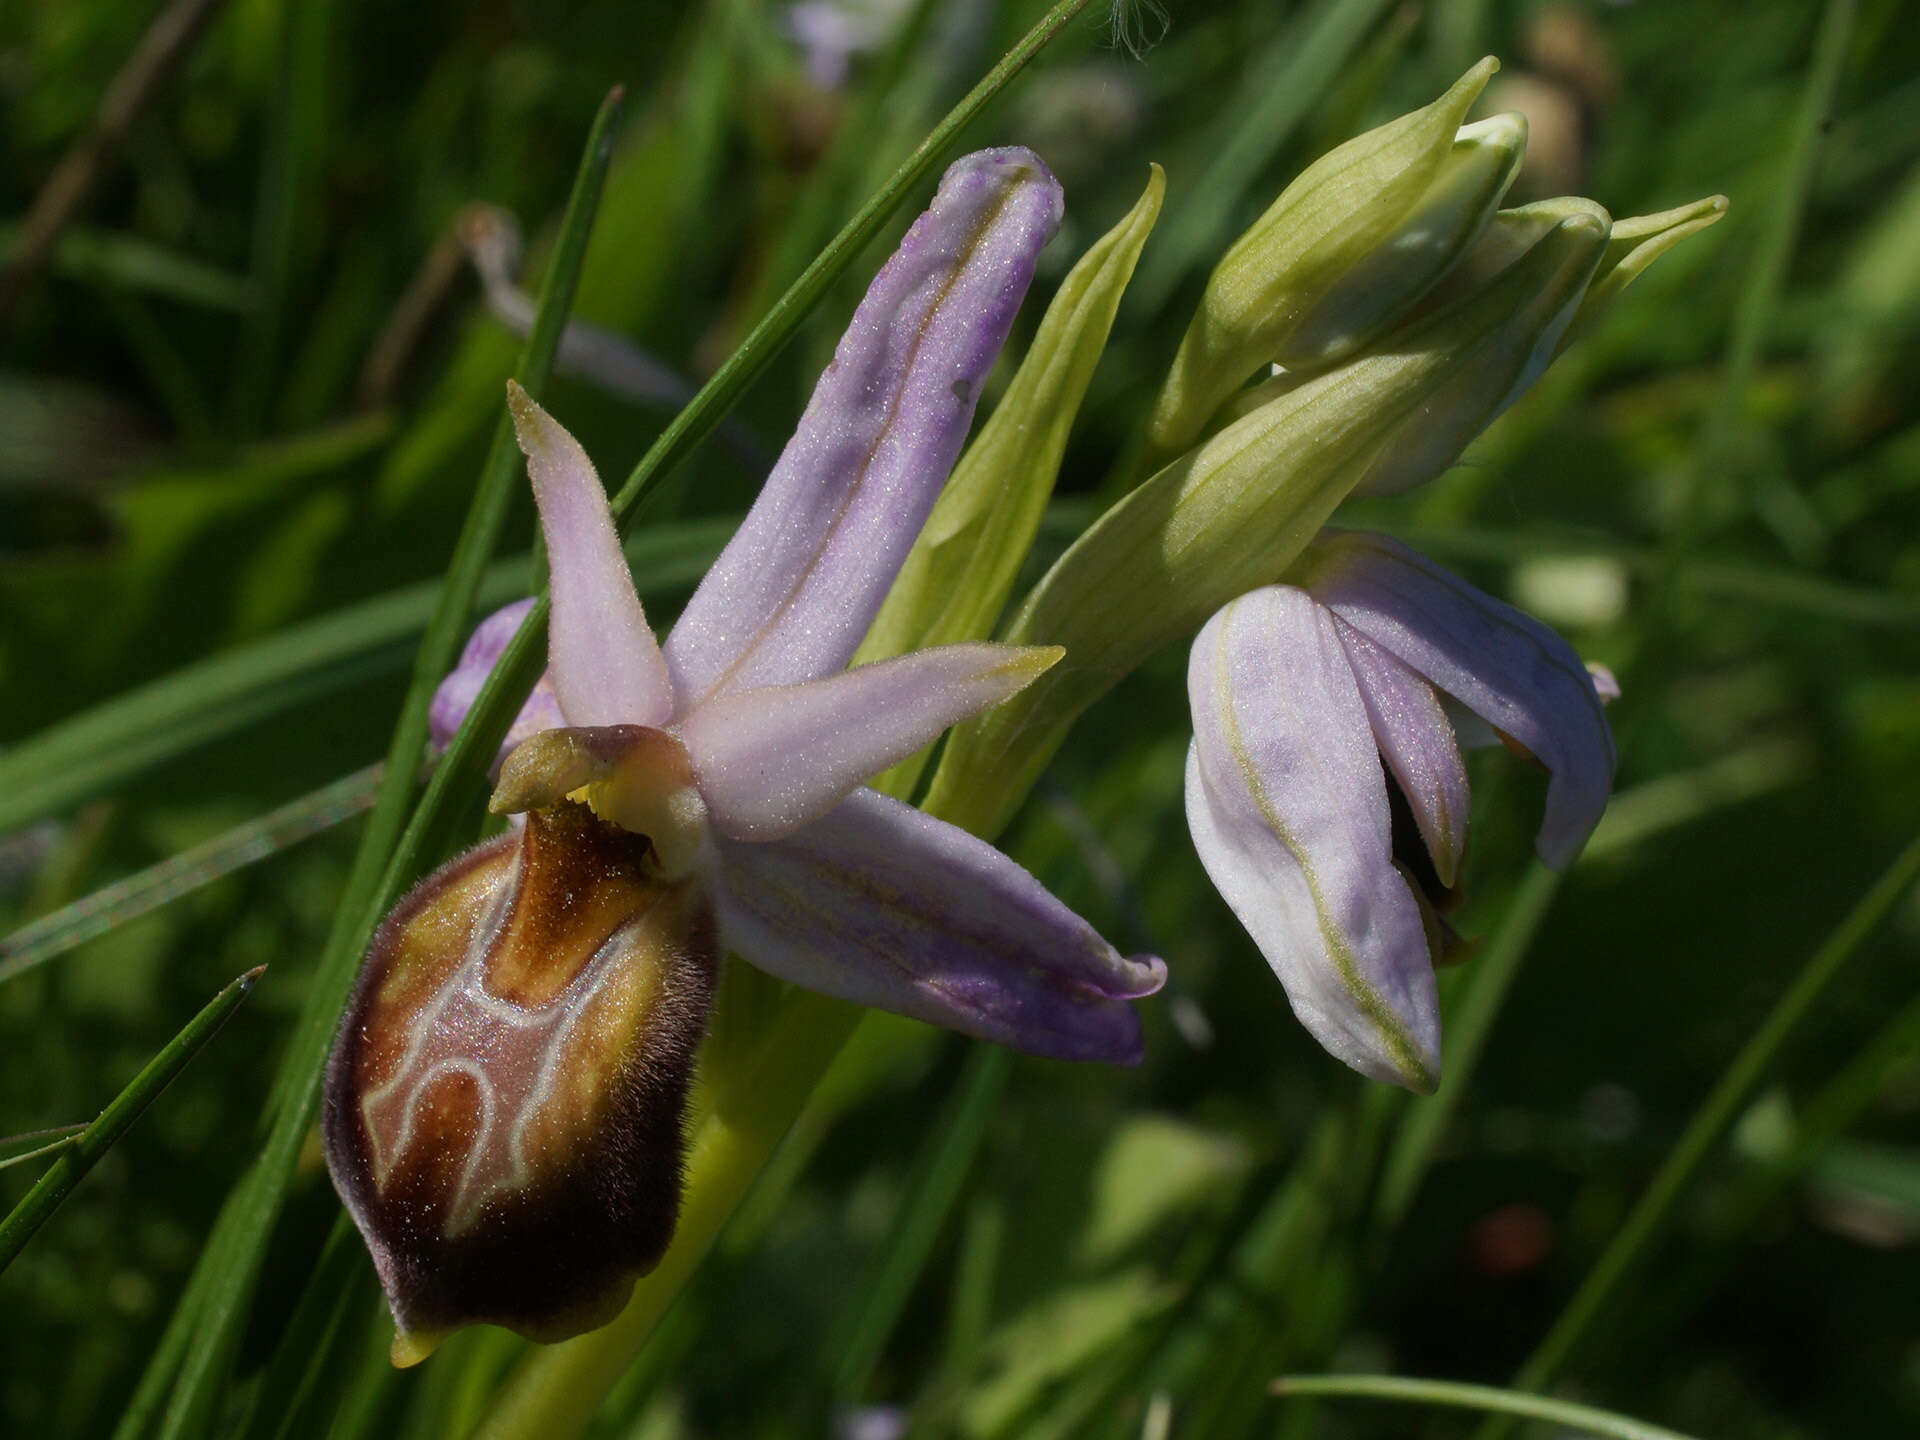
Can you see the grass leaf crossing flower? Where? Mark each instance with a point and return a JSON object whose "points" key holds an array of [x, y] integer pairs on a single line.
{"points": [[506, 1098]]}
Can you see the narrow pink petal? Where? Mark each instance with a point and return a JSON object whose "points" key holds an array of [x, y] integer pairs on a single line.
{"points": [[606, 666], [1416, 740], [1288, 811], [792, 595], [882, 904], [772, 759], [1503, 665]]}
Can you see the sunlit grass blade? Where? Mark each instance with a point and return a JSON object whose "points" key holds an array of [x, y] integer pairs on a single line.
{"points": [[939, 1172], [1709, 1123], [1576, 1419], [105, 747], [161, 884], [235, 1250], [80, 1154], [18, 1149]]}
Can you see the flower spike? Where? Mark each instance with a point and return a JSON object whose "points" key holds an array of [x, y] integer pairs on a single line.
{"points": [[505, 1098]]}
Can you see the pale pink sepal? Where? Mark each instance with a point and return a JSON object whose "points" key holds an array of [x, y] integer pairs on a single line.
{"points": [[772, 759], [1287, 806], [794, 592], [882, 904], [1416, 740], [1503, 665], [606, 666]]}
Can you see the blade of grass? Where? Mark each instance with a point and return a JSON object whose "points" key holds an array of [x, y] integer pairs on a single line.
{"points": [[32, 1144], [84, 1151], [1584, 1419], [777, 326], [294, 1395], [290, 173], [139, 894], [165, 43], [1759, 297], [1709, 1123], [940, 1170], [1828, 1116], [115, 742], [234, 1252], [113, 260]]}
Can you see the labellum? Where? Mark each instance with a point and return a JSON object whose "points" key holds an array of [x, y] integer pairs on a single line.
{"points": [[506, 1104]]}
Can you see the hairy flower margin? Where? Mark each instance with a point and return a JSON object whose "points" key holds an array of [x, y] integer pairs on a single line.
{"points": [[506, 1097]]}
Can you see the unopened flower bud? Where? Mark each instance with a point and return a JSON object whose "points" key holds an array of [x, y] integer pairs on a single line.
{"points": [[1356, 239], [1233, 513]]}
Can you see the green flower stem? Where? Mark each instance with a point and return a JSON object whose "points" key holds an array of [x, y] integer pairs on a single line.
{"points": [[79, 1155], [239, 1240], [1710, 1122], [1582, 1418]]}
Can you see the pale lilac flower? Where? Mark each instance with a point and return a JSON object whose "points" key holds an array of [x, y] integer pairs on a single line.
{"points": [[1326, 793], [505, 1099]]}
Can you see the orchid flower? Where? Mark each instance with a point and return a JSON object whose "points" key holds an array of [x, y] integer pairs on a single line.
{"points": [[506, 1098], [1326, 793]]}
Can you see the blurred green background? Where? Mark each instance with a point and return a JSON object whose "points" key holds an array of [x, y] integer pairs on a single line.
{"points": [[253, 382]]}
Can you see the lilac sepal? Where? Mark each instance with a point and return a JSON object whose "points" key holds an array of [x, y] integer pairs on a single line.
{"points": [[457, 692], [882, 904], [1288, 811], [1416, 740], [605, 664], [1503, 665], [793, 593], [772, 759]]}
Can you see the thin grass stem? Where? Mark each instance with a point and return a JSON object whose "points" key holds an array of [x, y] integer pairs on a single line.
{"points": [[1582, 1419]]}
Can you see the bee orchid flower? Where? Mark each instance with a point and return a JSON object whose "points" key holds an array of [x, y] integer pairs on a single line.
{"points": [[506, 1098], [1326, 793]]}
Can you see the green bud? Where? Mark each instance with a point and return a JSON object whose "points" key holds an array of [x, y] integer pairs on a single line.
{"points": [[1356, 239], [1235, 512], [958, 575], [1633, 246]]}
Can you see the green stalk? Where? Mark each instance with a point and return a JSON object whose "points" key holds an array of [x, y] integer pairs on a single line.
{"points": [[1582, 1418], [1710, 1122], [82, 1153], [234, 1251]]}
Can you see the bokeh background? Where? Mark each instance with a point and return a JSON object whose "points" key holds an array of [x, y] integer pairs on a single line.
{"points": [[248, 392]]}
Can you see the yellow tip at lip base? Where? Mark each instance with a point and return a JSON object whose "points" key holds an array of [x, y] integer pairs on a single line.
{"points": [[410, 1347]]}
